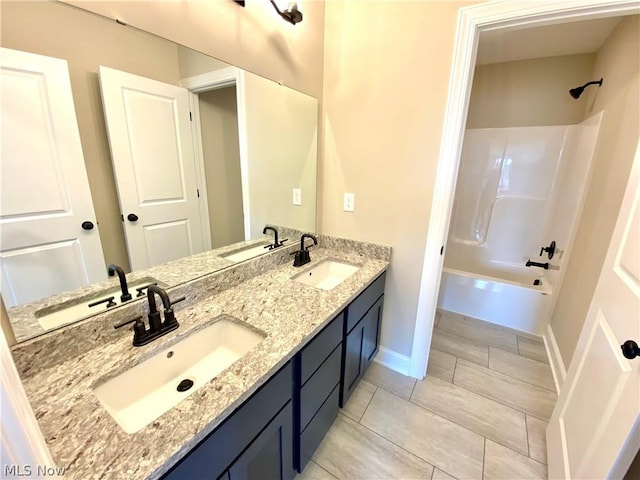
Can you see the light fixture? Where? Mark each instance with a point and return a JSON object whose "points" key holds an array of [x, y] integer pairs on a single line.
{"points": [[288, 10]]}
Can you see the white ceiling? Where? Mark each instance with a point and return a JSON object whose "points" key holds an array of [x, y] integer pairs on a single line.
{"points": [[508, 45]]}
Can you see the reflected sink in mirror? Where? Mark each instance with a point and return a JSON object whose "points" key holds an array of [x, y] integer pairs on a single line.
{"points": [[246, 253], [59, 315], [327, 275], [141, 394]]}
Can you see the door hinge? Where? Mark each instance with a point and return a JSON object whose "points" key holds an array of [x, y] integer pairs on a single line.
{"points": [[441, 250], [190, 117], [198, 192]]}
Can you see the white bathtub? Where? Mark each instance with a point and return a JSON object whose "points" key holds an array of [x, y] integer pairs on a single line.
{"points": [[507, 297]]}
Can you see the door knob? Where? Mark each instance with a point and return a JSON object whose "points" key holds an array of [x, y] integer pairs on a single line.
{"points": [[132, 217], [87, 225], [630, 349]]}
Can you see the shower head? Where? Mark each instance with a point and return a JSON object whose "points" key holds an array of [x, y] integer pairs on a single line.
{"points": [[576, 92]]}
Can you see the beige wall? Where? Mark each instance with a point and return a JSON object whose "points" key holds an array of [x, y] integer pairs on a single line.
{"points": [[529, 92], [618, 62], [386, 76], [282, 145], [87, 41], [254, 38], [219, 123]]}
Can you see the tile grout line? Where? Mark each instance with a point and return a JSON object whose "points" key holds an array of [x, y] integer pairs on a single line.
{"points": [[499, 442], [369, 403], [322, 468], [484, 455], [455, 365], [393, 443], [515, 407], [520, 378], [526, 428], [413, 389]]}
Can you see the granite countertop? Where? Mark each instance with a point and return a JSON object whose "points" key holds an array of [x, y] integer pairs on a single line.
{"points": [[84, 438]]}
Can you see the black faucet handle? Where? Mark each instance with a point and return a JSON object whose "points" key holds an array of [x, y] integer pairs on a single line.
{"points": [[181, 299], [126, 322], [140, 289], [109, 301]]}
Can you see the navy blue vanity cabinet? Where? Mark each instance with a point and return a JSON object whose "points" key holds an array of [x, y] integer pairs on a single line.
{"points": [[317, 370], [270, 455], [256, 437], [362, 335]]}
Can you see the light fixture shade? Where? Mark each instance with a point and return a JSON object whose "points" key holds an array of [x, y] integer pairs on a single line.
{"points": [[288, 10]]}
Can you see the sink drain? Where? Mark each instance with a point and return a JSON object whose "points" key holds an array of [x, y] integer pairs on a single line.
{"points": [[185, 385]]}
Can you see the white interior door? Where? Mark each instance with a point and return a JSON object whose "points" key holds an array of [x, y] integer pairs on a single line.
{"points": [[45, 195], [599, 404], [149, 131]]}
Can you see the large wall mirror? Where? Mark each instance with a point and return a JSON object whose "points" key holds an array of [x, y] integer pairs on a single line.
{"points": [[156, 152]]}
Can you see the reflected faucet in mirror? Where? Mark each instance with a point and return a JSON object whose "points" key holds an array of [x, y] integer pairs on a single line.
{"points": [[275, 243], [113, 269]]}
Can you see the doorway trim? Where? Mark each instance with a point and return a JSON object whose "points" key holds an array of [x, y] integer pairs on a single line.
{"points": [[472, 20], [225, 77]]}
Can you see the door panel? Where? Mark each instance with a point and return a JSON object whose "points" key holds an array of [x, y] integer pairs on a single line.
{"points": [[599, 403], [149, 129], [167, 241], [24, 279], [45, 194]]}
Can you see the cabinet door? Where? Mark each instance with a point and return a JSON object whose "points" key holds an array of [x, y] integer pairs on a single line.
{"points": [[270, 455], [371, 333], [353, 366], [360, 348]]}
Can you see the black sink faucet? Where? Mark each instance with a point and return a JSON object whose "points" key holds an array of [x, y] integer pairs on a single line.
{"points": [[142, 336], [276, 243], [302, 256], [113, 269]]}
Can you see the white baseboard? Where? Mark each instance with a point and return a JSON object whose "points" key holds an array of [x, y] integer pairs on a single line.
{"points": [[555, 359], [393, 360]]}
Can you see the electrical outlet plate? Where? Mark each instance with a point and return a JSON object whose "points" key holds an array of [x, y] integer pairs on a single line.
{"points": [[349, 202], [297, 196]]}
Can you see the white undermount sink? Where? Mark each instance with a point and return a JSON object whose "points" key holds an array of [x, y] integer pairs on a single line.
{"points": [[245, 253], [57, 315], [141, 394], [327, 274]]}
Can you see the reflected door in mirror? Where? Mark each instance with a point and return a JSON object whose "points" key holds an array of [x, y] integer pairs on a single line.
{"points": [[46, 207], [149, 129]]}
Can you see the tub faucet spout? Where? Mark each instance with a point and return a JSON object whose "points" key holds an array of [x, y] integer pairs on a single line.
{"points": [[537, 264]]}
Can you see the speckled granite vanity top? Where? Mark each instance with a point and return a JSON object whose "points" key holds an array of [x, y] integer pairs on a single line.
{"points": [[60, 369]]}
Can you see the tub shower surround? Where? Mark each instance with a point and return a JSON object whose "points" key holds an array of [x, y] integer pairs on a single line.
{"points": [[518, 189], [60, 369]]}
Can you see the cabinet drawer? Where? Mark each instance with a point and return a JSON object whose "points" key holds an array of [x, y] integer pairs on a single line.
{"points": [[318, 427], [364, 301], [316, 390], [320, 347], [216, 452]]}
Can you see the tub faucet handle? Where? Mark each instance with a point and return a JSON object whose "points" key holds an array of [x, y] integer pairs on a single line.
{"points": [[551, 249]]}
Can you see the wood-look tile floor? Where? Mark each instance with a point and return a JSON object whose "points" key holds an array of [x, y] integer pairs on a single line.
{"points": [[481, 412]]}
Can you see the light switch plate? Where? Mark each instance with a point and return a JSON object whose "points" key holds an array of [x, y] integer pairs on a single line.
{"points": [[349, 202], [297, 196]]}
